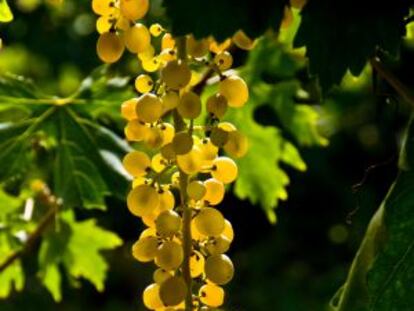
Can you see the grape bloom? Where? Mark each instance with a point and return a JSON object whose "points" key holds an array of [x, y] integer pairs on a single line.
{"points": [[177, 186]]}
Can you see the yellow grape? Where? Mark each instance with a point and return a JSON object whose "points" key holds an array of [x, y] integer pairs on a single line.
{"points": [[149, 219], [167, 133], [136, 130], [158, 163], [148, 54], [218, 245], [242, 41], [176, 74], [219, 269], [182, 143], [151, 297], [142, 200], [211, 295], [196, 190], [110, 47], [153, 137], [227, 126], [102, 7], [128, 109], [217, 105], [103, 24], [195, 234], [122, 23], [219, 137], [197, 48], [144, 83], [137, 38], [191, 162], [173, 291], [224, 169], [160, 275], [175, 178], [170, 100], [156, 30], [167, 200], [148, 232], [168, 223], [151, 65], [228, 230], [189, 106], [196, 264], [167, 151], [167, 42], [237, 144], [208, 151], [149, 108], [219, 47], [215, 191], [169, 255], [235, 90], [134, 9], [137, 163], [223, 60], [168, 55], [209, 221], [145, 249]]}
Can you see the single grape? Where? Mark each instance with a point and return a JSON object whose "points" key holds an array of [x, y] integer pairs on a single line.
{"points": [[196, 190], [224, 169], [208, 151], [173, 291], [170, 100], [197, 48], [103, 24], [191, 162], [168, 55], [160, 275], [235, 90], [215, 191], [144, 83], [137, 38], [158, 163], [167, 133], [196, 264], [167, 151], [182, 143], [149, 108], [169, 255], [153, 137], [219, 269], [167, 42], [211, 295], [228, 230], [151, 297], [151, 64], [110, 47], [223, 60], [134, 9], [218, 245], [219, 137], [145, 249], [128, 109], [142, 200], [237, 144], [148, 54], [176, 74], [167, 200], [137, 163], [136, 130], [209, 221], [217, 105], [189, 106], [156, 30], [168, 223], [102, 7]]}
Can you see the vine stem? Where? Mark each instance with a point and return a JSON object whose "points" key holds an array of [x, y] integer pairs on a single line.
{"points": [[180, 125]]}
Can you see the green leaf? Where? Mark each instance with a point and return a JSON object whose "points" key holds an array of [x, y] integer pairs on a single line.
{"points": [[6, 14], [8, 203], [381, 274], [341, 35], [205, 18], [78, 248], [12, 276]]}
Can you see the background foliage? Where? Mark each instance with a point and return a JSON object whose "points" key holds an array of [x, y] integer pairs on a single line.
{"points": [[72, 141]]}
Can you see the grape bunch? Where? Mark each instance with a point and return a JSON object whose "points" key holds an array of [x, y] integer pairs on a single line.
{"points": [[183, 160]]}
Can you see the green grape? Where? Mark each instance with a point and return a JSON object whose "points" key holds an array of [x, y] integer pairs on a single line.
{"points": [[196, 48], [215, 191], [219, 269], [167, 42], [102, 7], [151, 297], [151, 65], [158, 163], [149, 108], [242, 41], [110, 47], [136, 130], [160, 275], [218, 245], [235, 90], [156, 30], [142, 200], [182, 143], [217, 105], [169, 256], [228, 230], [196, 264], [173, 291], [168, 223], [176, 74], [219, 137], [144, 83], [223, 60], [170, 100], [189, 106], [237, 144], [196, 190], [137, 163], [167, 201], [128, 109], [224, 169], [137, 38], [209, 221], [211, 295], [134, 9], [167, 133], [103, 24], [145, 249], [191, 162]]}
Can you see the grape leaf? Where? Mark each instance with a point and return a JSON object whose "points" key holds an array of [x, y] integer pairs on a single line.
{"points": [[76, 247], [381, 274], [205, 18], [12, 276], [8, 204], [6, 14], [342, 35]]}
